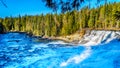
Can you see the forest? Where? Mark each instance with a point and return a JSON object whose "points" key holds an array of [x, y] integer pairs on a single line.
{"points": [[105, 17]]}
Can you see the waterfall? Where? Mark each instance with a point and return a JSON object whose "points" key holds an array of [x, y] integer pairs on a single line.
{"points": [[92, 38]]}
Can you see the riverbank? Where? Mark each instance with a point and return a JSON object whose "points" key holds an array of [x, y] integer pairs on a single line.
{"points": [[73, 38], [80, 37], [90, 37]]}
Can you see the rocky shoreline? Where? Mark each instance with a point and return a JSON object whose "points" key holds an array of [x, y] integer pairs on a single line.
{"points": [[90, 37], [73, 38], [81, 37]]}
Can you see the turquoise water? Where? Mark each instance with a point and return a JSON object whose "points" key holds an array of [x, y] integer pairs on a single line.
{"points": [[18, 50]]}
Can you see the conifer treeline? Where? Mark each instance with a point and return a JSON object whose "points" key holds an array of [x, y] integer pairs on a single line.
{"points": [[103, 17]]}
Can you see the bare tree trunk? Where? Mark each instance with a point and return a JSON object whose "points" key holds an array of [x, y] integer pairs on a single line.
{"points": [[117, 26]]}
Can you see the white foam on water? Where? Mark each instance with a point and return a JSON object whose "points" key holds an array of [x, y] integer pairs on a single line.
{"points": [[90, 43], [39, 45], [111, 38], [57, 42], [78, 58], [94, 38]]}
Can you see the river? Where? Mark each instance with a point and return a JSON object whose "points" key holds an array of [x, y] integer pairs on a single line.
{"points": [[18, 50]]}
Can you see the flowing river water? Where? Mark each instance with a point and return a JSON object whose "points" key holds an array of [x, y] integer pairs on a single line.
{"points": [[18, 50]]}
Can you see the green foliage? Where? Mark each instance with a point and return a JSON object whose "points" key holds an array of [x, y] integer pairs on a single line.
{"points": [[103, 17], [117, 15]]}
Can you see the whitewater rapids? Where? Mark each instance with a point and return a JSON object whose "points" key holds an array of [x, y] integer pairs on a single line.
{"points": [[97, 49]]}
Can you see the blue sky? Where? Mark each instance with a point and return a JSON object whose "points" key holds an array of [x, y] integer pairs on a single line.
{"points": [[22, 7]]}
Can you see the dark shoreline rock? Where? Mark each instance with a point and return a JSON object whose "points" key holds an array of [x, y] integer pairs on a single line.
{"points": [[2, 28]]}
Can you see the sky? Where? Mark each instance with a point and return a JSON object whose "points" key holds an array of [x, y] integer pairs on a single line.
{"points": [[22, 7], [26, 7]]}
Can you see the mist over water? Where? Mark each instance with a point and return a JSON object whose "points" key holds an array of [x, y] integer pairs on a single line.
{"points": [[18, 50]]}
